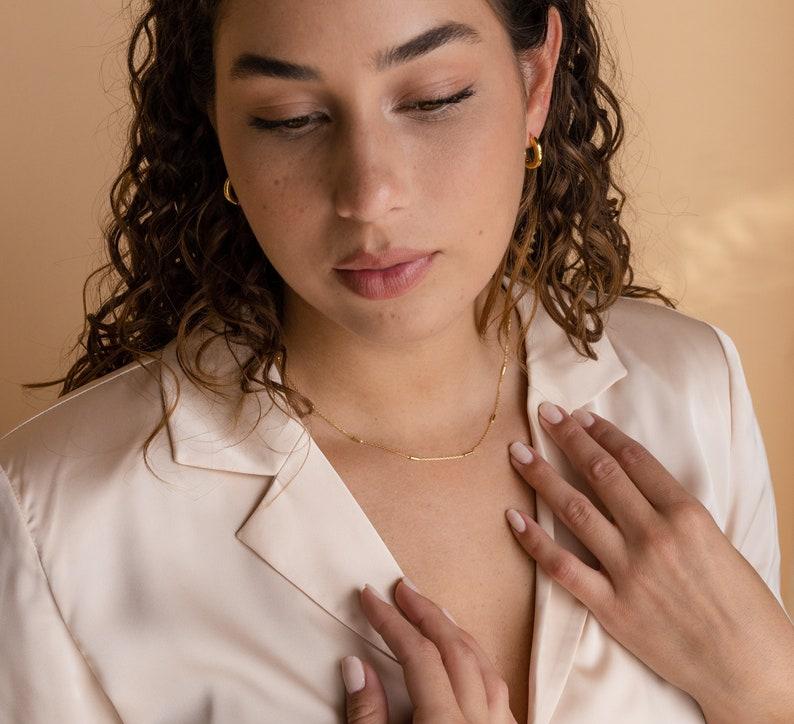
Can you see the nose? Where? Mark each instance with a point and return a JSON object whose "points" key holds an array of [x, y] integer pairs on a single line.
{"points": [[371, 177]]}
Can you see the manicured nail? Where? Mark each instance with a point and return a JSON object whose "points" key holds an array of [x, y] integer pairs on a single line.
{"points": [[353, 674], [521, 452], [408, 582], [550, 412], [584, 418], [516, 521], [377, 593], [449, 616]]}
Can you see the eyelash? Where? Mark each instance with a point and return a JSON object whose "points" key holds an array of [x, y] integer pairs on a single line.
{"points": [[447, 104]]}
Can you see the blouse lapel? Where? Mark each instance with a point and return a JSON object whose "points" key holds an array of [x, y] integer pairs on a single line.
{"points": [[309, 527], [561, 375]]}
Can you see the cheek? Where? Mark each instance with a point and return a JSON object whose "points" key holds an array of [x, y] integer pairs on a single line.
{"points": [[479, 160], [283, 216], [281, 193], [281, 202], [478, 188]]}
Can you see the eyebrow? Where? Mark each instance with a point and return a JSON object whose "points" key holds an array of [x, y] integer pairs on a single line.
{"points": [[250, 65]]}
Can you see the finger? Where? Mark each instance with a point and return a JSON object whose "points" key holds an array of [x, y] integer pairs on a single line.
{"points": [[652, 479], [591, 587], [629, 507], [496, 690], [476, 683], [574, 509], [426, 679], [365, 701]]}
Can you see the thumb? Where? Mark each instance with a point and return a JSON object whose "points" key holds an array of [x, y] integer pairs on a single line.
{"points": [[366, 699]]}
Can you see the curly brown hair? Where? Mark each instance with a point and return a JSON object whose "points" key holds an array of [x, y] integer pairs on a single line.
{"points": [[180, 261]]}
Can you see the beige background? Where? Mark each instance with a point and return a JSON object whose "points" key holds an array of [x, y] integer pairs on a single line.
{"points": [[708, 158]]}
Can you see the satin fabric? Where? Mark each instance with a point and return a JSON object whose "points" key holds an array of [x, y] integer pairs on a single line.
{"points": [[219, 584]]}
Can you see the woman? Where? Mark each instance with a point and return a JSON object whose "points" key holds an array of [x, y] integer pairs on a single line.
{"points": [[326, 203]]}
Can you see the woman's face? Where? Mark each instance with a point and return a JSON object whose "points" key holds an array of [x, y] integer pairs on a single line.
{"points": [[365, 171]]}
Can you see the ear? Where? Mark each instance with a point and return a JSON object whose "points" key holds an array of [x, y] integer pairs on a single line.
{"points": [[538, 66]]}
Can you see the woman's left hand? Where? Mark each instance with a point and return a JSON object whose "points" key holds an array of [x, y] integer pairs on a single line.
{"points": [[671, 587]]}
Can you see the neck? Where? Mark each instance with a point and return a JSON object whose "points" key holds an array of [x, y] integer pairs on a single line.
{"points": [[415, 394]]}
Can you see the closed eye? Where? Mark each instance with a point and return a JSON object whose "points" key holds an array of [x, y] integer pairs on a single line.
{"points": [[288, 126]]}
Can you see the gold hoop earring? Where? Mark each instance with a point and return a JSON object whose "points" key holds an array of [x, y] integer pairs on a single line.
{"points": [[537, 153], [227, 192]]}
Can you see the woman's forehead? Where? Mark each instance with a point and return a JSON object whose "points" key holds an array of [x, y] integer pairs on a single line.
{"points": [[375, 32]]}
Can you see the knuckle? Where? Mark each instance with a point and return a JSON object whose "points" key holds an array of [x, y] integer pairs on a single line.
{"points": [[632, 454], [601, 432], [468, 639], [570, 431], [460, 650], [361, 709], [386, 627], [660, 539], [425, 619], [689, 513], [604, 467], [578, 511], [561, 569], [534, 544], [496, 691]]}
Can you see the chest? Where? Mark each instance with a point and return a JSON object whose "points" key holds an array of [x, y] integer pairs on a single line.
{"points": [[444, 523]]}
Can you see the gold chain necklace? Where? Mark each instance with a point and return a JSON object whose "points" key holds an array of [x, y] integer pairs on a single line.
{"points": [[357, 439]]}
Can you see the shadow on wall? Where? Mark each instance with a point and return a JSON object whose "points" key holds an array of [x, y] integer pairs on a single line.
{"points": [[744, 246]]}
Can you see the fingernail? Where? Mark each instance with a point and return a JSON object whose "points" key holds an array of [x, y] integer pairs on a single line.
{"points": [[449, 616], [377, 593], [550, 412], [408, 582], [353, 674], [584, 418], [521, 452], [516, 521]]}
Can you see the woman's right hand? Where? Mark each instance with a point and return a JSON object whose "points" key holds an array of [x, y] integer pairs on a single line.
{"points": [[448, 676]]}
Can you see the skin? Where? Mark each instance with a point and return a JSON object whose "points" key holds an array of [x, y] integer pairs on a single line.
{"points": [[670, 587], [368, 173]]}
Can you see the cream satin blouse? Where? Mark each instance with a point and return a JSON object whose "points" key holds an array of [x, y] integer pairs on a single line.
{"points": [[221, 584]]}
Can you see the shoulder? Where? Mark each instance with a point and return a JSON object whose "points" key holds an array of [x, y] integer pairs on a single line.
{"points": [[83, 435], [85, 396], [678, 345], [646, 332], [677, 365], [635, 319]]}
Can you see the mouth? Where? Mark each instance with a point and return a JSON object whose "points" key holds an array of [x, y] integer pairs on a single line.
{"points": [[366, 261], [387, 282]]}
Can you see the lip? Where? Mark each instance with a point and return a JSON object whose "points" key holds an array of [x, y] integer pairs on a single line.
{"points": [[387, 283], [391, 257]]}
